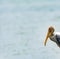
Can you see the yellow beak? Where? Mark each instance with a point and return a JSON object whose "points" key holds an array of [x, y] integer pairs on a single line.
{"points": [[48, 34]]}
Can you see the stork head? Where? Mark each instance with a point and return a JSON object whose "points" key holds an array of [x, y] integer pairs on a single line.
{"points": [[49, 33]]}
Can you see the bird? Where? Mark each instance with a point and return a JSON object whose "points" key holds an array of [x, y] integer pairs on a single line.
{"points": [[53, 36]]}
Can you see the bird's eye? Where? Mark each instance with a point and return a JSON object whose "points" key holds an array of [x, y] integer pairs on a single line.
{"points": [[49, 30]]}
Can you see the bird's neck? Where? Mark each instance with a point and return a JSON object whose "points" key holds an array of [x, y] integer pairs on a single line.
{"points": [[51, 35]]}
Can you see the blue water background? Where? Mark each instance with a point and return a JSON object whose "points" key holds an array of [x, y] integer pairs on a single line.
{"points": [[23, 28]]}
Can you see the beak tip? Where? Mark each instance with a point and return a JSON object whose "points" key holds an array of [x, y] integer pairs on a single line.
{"points": [[44, 44]]}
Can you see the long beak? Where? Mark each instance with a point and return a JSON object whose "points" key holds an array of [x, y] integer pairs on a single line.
{"points": [[48, 34]]}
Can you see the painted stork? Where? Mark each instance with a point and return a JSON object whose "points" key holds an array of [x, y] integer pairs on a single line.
{"points": [[53, 36]]}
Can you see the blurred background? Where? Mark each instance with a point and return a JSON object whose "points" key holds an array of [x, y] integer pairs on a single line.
{"points": [[23, 28]]}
